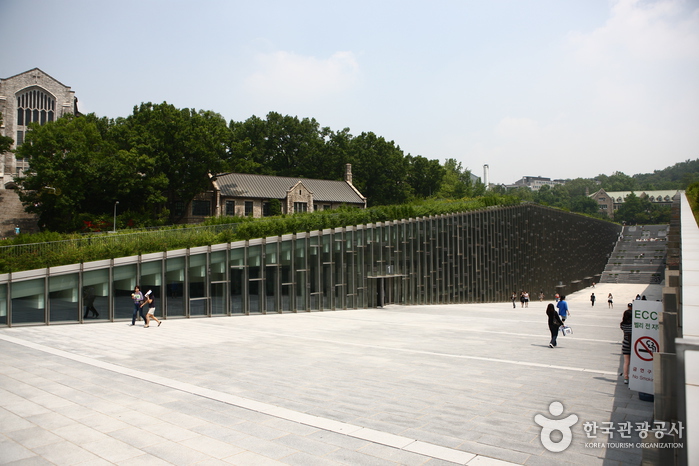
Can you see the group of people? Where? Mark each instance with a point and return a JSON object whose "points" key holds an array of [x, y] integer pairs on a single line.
{"points": [[524, 298], [140, 301], [558, 314]]}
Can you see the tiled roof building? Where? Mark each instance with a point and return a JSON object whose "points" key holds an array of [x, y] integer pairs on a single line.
{"points": [[244, 194], [609, 201]]}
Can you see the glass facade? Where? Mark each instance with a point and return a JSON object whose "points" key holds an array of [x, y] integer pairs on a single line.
{"points": [[481, 256]]}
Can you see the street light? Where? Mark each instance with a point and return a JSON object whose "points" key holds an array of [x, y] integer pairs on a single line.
{"points": [[115, 204]]}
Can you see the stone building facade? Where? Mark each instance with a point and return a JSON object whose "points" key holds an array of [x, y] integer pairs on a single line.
{"points": [[610, 201], [241, 194], [32, 96]]}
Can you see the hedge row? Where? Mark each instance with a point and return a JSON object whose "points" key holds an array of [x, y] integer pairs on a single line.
{"points": [[28, 252]]}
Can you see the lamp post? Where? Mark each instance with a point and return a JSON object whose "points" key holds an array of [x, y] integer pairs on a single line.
{"points": [[114, 229]]}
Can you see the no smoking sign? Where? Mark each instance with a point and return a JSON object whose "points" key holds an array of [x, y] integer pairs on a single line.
{"points": [[644, 347]]}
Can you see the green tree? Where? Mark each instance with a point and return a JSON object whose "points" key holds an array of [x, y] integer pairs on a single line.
{"points": [[456, 183], [380, 170], [639, 210], [618, 181], [584, 205], [282, 145], [424, 175], [71, 162], [177, 148]]}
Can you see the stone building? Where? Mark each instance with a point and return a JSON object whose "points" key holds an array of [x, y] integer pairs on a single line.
{"points": [[535, 182], [241, 194], [32, 96], [610, 201]]}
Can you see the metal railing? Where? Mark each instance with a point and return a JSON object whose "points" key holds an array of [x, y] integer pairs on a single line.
{"points": [[108, 239]]}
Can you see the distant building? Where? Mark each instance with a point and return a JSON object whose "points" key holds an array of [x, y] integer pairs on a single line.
{"points": [[32, 96], [609, 202], [240, 194], [535, 182]]}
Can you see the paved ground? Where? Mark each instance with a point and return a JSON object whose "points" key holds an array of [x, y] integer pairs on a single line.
{"points": [[403, 385]]}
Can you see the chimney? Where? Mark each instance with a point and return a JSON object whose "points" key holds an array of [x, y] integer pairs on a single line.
{"points": [[485, 176], [348, 173]]}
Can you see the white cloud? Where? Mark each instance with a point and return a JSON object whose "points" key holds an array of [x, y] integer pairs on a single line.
{"points": [[663, 30], [292, 77]]}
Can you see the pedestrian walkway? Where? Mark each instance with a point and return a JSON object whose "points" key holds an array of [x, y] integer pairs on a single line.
{"points": [[413, 385]]}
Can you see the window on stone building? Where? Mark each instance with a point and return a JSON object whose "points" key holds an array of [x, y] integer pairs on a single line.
{"points": [[178, 208], [265, 209], [230, 208], [201, 208], [248, 209], [300, 207], [35, 105]]}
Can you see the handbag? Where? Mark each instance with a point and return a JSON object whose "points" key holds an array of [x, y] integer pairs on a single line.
{"points": [[566, 330]]}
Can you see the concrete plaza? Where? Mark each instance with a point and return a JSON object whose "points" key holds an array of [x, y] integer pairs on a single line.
{"points": [[412, 385]]}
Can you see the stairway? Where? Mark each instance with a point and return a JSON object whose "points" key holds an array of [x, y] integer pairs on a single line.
{"points": [[639, 256]]}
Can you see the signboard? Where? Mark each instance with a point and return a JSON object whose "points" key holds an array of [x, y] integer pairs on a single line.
{"points": [[644, 344]]}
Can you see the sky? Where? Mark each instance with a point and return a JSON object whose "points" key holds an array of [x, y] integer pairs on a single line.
{"points": [[553, 88]]}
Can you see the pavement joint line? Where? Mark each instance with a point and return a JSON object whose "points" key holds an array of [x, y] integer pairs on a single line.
{"points": [[375, 436], [460, 356], [508, 333]]}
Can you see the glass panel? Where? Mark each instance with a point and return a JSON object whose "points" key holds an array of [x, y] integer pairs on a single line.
{"points": [[238, 257], [63, 298], [314, 272], [151, 280], [217, 275], [197, 285], [286, 298], [271, 289], [96, 293], [28, 302], [218, 298], [301, 290], [3, 304], [237, 286], [254, 278], [286, 275], [123, 285], [301, 274], [174, 282], [271, 254]]}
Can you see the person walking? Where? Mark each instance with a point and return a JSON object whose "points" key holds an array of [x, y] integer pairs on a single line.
{"points": [[554, 322], [592, 299], [610, 301], [526, 299], [563, 310], [89, 302], [137, 298], [150, 301], [626, 326], [514, 299]]}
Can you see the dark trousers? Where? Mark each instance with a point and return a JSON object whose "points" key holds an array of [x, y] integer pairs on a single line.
{"points": [[554, 334], [136, 309]]}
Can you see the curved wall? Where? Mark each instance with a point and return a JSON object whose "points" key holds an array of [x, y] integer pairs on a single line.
{"points": [[480, 256]]}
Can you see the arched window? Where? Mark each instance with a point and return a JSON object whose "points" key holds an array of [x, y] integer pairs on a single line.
{"points": [[35, 105]]}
